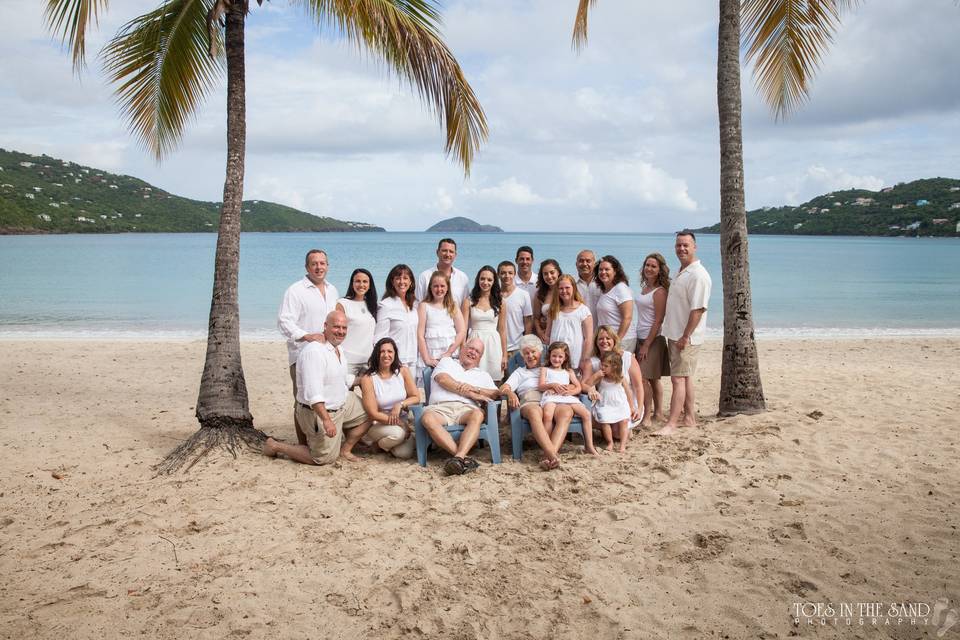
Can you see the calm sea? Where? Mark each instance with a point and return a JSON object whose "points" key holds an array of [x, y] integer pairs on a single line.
{"points": [[159, 285]]}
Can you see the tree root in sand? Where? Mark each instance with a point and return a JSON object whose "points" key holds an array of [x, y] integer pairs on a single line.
{"points": [[217, 433]]}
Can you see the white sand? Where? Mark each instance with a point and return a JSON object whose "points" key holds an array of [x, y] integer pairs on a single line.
{"points": [[716, 532]]}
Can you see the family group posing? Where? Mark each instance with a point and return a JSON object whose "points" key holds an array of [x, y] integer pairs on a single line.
{"points": [[356, 361]]}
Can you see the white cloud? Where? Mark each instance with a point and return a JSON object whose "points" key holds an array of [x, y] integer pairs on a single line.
{"points": [[620, 136]]}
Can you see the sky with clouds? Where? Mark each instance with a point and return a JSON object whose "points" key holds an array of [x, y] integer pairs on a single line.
{"points": [[622, 136]]}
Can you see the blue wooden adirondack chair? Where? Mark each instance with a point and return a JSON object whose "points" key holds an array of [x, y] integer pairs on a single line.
{"points": [[520, 427], [489, 431]]}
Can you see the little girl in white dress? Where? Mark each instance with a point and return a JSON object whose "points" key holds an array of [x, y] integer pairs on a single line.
{"points": [[560, 385], [612, 410]]}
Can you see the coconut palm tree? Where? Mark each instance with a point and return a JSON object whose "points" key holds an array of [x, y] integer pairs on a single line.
{"points": [[786, 39], [165, 62]]}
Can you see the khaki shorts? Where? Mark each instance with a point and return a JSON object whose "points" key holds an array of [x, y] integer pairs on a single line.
{"points": [[324, 449], [683, 364], [629, 344], [531, 396], [657, 362], [452, 412]]}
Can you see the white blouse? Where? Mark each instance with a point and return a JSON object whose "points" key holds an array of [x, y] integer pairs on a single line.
{"points": [[360, 324], [395, 321]]}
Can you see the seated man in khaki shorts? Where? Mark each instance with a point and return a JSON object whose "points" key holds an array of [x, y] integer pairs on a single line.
{"points": [[456, 389], [325, 407]]}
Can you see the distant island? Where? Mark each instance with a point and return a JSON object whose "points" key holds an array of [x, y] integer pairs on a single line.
{"points": [[463, 225], [40, 194], [929, 207]]}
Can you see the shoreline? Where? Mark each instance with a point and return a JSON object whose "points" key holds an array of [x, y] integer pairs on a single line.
{"points": [[713, 335]]}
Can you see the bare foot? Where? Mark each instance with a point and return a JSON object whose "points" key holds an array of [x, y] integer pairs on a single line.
{"points": [[622, 449], [646, 424], [688, 423], [610, 446], [594, 451], [666, 430], [659, 418], [348, 455], [269, 448]]}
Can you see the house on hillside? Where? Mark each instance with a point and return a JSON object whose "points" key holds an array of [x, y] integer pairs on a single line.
{"points": [[913, 226], [922, 203], [955, 205], [862, 202], [886, 190], [954, 188], [44, 217], [898, 206], [940, 221]]}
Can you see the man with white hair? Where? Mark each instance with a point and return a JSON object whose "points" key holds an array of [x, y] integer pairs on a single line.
{"points": [[456, 391]]}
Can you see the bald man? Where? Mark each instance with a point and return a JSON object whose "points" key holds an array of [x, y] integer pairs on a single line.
{"points": [[325, 407]]}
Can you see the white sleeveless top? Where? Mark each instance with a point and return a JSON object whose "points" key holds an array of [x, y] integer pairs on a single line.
{"points": [[645, 314], [389, 392], [360, 324]]}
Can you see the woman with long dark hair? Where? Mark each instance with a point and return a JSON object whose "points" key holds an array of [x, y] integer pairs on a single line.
{"points": [[397, 315], [388, 391], [483, 312], [651, 345], [547, 277], [360, 307]]}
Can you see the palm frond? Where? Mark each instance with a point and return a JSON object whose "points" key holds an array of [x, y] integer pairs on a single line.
{"points": [[404, 33], [580, 24], [785, 39], [161, 65], [71, 19]]}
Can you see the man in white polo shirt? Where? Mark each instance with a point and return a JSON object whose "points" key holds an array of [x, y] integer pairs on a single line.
{"points": [[526, 279], [683, 326], [325, 407], [586, 282], [456, 391], [518, 307], [303, 311], [459, 281]]}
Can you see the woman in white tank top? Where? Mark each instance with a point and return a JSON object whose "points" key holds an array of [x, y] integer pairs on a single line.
{"points": [[651, 346], [388, 391], [360, 307]]}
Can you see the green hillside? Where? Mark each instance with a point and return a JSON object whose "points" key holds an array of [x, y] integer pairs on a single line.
{"points": [[40, 194], [929, 207]]}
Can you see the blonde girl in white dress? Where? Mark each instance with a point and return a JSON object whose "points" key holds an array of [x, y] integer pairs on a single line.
{"points": [[569, 321], [440, 327], [612, 410], [484, 312], [560, 386]]}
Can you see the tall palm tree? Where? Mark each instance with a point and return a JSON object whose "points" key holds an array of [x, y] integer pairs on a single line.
{"points": [[165, 62], [786, 39]]}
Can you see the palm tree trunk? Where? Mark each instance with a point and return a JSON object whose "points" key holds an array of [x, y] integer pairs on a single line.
{"points": [[740, 387], [222, 406]]}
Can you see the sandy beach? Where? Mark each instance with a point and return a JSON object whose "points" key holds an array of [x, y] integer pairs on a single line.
{"points": [[845, 491]]}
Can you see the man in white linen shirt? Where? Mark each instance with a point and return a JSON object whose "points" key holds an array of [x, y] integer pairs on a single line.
{"points": [[459, 281], [525, 279], [303, 311], [456, 389], [325, 407], [518, 307], [586, 283], [683, 326]]}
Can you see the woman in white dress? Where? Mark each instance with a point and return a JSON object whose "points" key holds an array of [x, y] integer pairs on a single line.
{"points": [[483, 311], [547, 278], [615, 302], [360, 307], [569, 321], [388, 391], [607, 341], [651, 346], [440, 326], [397, 316]]}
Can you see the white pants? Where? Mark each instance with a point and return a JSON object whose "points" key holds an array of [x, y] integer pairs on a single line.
{"points": [[393, 438]]}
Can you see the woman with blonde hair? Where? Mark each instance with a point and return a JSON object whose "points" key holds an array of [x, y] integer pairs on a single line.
{"points": [[440, 326], [607, 340], [569, 320], [651, 346]]}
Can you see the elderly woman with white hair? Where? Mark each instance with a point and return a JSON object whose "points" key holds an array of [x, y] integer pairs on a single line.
{"points": [[521, 391]]}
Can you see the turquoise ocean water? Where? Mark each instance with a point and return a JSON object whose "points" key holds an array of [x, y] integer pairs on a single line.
{"points": [[159, 285]]}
